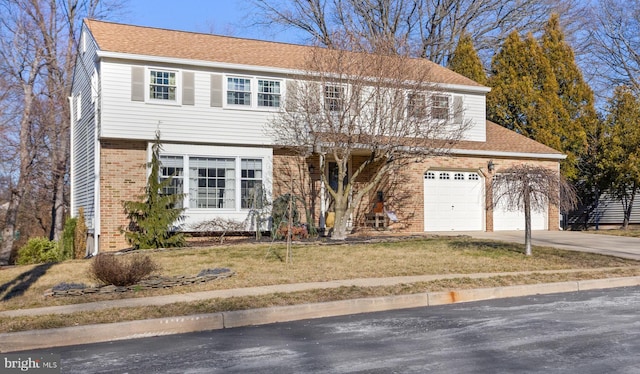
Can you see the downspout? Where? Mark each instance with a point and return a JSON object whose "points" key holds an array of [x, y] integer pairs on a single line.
{"points": [[96, 170]]}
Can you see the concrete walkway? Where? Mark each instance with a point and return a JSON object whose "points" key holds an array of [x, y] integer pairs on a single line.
{"points": [[611, 245]]}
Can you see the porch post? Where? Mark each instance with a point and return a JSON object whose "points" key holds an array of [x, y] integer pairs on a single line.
{"points": [[323, 201]]}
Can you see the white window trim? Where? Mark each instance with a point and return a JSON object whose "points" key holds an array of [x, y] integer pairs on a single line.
{"points": [[430, 104], [254, 93], [238, 153], [344, 90], [147, 85]]}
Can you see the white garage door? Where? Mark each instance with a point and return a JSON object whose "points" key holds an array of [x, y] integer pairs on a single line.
{"points": [[453, 200], [504, 219]]}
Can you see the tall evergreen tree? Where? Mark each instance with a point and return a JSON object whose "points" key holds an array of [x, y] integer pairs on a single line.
{"points": [[153, 216], [524, 92], [465, 60], [575, 94], [621, 156]]}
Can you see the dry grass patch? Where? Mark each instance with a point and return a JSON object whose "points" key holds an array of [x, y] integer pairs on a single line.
{"points": [[259, 265]]}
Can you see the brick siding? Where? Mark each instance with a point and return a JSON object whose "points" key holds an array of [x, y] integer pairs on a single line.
{"points": [[122, 177]]}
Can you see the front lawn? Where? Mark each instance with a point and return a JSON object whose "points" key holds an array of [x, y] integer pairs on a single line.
{"points": [[262, 264]]}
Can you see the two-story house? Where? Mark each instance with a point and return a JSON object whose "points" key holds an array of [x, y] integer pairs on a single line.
{"points": [[212, 96]]}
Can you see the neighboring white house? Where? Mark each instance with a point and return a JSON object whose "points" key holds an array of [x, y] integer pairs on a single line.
{"points": [[211, 97]]}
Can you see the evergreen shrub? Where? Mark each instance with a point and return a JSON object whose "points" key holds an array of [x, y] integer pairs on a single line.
{"points": [[39, 250]]}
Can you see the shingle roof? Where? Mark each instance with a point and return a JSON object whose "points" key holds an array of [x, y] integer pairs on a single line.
{"points": [[500, 139], [138, 40]]}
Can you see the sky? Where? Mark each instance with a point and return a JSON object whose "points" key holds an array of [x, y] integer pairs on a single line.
{"points": [[225, 17]]}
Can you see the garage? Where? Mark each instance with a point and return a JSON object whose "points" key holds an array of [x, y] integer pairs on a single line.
{"points": [[504, 219], [453, 201]]}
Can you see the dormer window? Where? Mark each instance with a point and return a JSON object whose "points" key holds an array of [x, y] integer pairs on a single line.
{"points": [[162, 85]]}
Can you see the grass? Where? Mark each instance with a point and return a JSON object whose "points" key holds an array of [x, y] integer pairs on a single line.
{"points": [[260, 264]]}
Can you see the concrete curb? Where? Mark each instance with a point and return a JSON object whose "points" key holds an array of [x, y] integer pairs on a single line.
{"points": [[38, 339]]}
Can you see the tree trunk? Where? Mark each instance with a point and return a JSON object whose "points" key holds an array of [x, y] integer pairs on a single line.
{"points": [[26, 164], [629, 206], [58, 203], [9, 231], [527, 222], [340, 224]]}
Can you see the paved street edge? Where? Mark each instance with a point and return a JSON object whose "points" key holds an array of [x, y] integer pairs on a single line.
{"points": [[39, 339]]}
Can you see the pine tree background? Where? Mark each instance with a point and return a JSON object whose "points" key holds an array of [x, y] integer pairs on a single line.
{"points": [[538, 91], [621, 153], [465, 61]]}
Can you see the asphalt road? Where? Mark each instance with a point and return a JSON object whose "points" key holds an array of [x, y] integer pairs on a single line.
{"points": [[585, 332]]}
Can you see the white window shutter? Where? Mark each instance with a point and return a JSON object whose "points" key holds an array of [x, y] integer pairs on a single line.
{"points": [[137, 83]]}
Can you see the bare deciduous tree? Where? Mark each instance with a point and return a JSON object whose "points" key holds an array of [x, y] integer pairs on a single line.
{"points": [[20, 64], [525, 188], [371, 105], [617, 42], [37, 54], [432, 27]]}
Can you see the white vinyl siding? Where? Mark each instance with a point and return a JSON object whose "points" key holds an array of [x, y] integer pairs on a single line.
{"points": [[85, 98], [197, 123], [474, 112]]}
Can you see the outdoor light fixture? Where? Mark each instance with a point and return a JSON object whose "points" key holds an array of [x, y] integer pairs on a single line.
{"points": [[311, 168], [491, 166]]}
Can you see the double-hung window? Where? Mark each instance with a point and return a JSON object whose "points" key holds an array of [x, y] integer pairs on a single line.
{"points": [[268, 93], [239, 91], [172, 168], [251, 183], [162, 85], [440, 107], [333, 97], [212, 182], [416, 105]]}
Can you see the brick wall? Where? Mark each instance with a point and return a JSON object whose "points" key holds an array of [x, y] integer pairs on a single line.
{"points": [[122, 177], [403, 190]]}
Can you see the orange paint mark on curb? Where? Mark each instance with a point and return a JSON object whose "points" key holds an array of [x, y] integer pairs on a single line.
{"points": [[453, 295]]}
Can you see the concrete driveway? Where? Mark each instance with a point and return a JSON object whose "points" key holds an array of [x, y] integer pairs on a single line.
{"points": [[619, 246]]}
